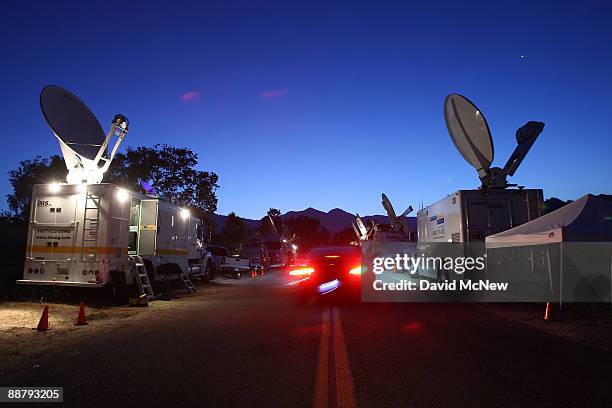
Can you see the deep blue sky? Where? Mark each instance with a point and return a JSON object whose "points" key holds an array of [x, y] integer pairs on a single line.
{"points": [[320, 104]]}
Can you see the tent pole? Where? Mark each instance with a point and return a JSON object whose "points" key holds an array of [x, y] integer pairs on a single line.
{"points": [[561, 281], [550, 279]]}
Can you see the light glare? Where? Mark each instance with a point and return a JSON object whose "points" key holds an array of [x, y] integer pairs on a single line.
{"points": [[356, 270], [54, 187], [122, 195]]}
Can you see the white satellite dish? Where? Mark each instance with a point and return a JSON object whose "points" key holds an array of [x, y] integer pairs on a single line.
{"points": [[470, 133], [82, 140], [363, 231], [398, 223]]}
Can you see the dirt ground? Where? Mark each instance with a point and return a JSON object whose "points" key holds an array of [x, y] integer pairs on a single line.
{"points": [[20, 341], [589, 324]]}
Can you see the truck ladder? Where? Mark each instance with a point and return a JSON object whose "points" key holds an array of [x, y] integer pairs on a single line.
{"points": [[188, 283], [141, 277], [91, 225]]}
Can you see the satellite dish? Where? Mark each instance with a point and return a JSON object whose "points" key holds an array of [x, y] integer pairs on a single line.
{"points": [[356, 230], [470, 133], [82, 140], [398, 223], [363, 231]]}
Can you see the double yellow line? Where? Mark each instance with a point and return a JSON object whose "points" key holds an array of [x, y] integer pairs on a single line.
{"points": [[334, 381]]}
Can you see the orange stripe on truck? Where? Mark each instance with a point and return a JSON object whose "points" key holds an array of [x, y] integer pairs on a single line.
{"points": [[76, 249]]}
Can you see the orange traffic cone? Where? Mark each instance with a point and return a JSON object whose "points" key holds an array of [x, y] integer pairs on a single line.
{"points": [[43, 324], [81, 320], [548, 312]]}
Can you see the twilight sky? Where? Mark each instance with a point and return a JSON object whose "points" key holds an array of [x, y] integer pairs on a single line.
{"points": [[322, 104]]}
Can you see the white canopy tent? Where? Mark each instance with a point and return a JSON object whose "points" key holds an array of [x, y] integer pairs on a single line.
{"points": [[588, 219], [582, 232]]}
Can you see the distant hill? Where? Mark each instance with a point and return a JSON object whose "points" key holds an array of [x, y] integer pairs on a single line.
{"points": [[334, 220], [337, 219]]}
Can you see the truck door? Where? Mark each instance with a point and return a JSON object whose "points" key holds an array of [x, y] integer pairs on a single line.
{"points": [[499, 214], [53, 227], [486, 217], [134, 226], [147, 235]]}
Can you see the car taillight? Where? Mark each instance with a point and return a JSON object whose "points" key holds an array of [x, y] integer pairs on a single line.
{"points": [[304, 270], [356, 270]]}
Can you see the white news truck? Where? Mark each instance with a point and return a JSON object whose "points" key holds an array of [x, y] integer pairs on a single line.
{"points": [[458, 224], [91, 235], [468, 216]]}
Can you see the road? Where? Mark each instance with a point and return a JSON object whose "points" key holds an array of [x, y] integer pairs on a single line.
{"points": [[252, 345]]}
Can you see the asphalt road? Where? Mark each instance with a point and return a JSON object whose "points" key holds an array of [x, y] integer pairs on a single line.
{"points": [[252, 345]]}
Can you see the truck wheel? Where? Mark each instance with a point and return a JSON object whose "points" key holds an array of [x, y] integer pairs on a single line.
{"points": [[120, 287], [207, 277], [213, 271]]}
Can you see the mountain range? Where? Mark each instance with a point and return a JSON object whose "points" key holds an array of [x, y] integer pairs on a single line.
{"points": [[337, 219], [334, 220]]}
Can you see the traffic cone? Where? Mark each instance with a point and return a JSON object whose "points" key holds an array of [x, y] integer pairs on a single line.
{"points": [[43, 324], [81, 320], [548, 312]]}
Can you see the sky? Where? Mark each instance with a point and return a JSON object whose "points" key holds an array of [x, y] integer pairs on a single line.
{"points": [[322, 104]]}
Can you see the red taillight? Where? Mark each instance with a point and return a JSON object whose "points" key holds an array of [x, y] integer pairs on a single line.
{"points": [[356, 270], [304, 270]]}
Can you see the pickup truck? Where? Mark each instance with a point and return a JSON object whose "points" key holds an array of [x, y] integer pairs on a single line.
{"points": [[235, 266], [256, 254], [225, 264]]}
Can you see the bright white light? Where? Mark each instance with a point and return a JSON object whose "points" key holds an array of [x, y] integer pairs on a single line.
{"points": [[122, 195], [294, 247], [81, 188], [185, 213], [55, 187]]}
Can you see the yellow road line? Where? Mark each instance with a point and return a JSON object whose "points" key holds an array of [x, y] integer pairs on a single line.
{"points": [[322, 375], [345, 387]]}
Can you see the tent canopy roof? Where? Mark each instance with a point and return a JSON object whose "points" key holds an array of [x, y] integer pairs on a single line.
{"points": [[588, 219]]}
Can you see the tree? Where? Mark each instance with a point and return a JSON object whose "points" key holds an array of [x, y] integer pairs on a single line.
{"points": [[309, 231], [552, 204], [171, 170], [345, 236], [234, 233], [265, 228], [37, 170]]}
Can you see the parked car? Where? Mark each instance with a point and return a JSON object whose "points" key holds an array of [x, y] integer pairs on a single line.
{"points": [[225, 264]]}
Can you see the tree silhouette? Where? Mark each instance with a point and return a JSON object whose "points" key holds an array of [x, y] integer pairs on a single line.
{"points": [[37, 170], [344, 237], [309, 231], [234, 234], [266, 228], [171, 170]]}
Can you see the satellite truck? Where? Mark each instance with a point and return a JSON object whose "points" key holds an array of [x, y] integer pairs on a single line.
{"points": [[466, 217], [85, 233]]}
